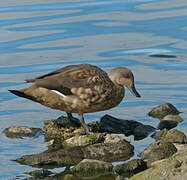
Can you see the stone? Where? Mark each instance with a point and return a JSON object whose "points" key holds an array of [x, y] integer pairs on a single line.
{"points": [[175, 118], [163, 110], [21, 132], [114, 138], [167, 124], [83, 140], [52, 158], [40, 174], [142, 131], [173, 135], [131, 167], [157, 151], [111, 124], [92, 167], [173, 168]]}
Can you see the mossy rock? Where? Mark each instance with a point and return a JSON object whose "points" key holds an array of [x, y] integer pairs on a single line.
{"points": [[91, 167], [173, 135]]}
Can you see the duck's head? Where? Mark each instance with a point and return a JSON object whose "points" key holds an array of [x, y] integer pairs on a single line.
{"points": [[123, 76]]}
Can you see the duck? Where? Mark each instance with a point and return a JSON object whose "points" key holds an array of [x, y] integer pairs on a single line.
{"points": [[80, 88]]}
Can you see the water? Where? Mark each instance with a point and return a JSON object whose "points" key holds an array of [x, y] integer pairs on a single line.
{"points": [[148, 36]]}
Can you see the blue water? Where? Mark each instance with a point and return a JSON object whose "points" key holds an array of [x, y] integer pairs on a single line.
{"points": [[36, 37]]}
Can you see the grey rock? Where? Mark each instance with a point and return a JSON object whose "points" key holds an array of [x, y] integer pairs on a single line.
{"points": [[92, 167], [163, 110], [51, 158], [114, 138], [174, 136], [83, 140], [130, 168], [173, 168], [21, 132], [157, 151]]}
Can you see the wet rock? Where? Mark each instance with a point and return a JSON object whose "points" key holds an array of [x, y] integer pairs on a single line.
{"points": [[157, 151], [167, 124], [163, 110], [173, 168], [111, 124], [40, 174], [130, 168], [174, 136], [83, 140], [142, 131], [114, 138], [64, 129], [21, 132], [51, 158], [91, 167], [120, 178]]}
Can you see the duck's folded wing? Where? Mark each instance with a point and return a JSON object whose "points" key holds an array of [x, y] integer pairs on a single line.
{"points": [[63, 82], [62, 70]]}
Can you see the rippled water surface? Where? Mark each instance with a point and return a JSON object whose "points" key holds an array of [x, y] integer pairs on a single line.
{"points": [[148, 36]]}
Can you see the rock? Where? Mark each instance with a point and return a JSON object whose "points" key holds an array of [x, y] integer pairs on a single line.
{"points": [[114, 138], [51, 158], [63, 129], [111, 124], [163, 110], [131, 167], [21, 132], [173, 168], [157, 151], [120, 178], [174, 136], [167, 124], [142, 131], [83, 140], [175, 118], [91, 167], [40, 174]]}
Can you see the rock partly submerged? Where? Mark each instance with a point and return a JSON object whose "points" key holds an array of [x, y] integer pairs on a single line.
{"points": [[163, 110], [173, 135], [173, 168], [114, 151], [21, 132], [131, 167], [157, 151]]}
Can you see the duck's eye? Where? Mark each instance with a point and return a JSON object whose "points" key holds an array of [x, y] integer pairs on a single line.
{"points": [[126, 76]]}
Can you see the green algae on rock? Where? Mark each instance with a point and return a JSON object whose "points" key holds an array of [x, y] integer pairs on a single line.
{"points": [[173, 168], [92, 167], [157, 151], [173, 135]]}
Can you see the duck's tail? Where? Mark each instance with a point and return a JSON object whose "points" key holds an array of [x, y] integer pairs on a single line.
{"points": [[22, 94]]}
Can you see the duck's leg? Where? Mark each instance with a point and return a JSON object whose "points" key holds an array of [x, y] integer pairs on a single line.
{"points": [[72, 119], [81, 118]]}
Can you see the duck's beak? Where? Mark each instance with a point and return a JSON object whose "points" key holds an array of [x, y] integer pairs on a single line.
{"points": [[132, 89]]}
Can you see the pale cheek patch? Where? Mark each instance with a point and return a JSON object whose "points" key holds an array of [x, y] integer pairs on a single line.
{"points": [[59, 93]]}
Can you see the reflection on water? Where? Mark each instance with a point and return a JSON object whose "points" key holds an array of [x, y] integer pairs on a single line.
{"points": [[36, 37]]}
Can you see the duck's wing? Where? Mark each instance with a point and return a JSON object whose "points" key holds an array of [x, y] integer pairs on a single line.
{"points": [[63, 80], [62, 70]]}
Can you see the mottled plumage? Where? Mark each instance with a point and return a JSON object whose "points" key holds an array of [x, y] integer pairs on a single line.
{"points": [[82, 88]]}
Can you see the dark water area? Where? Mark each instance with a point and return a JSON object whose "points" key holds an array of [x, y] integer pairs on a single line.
{"points": [[148, 36]]}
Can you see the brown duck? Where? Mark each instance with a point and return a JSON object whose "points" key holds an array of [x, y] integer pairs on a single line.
{"points": [[82, 88]]}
